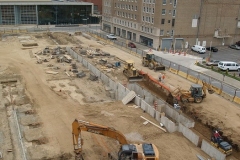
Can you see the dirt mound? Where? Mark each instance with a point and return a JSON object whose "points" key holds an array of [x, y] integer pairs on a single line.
{"points": [[63, 38]]}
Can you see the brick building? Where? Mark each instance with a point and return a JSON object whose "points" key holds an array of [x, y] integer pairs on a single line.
{"points": [[173, 23]]}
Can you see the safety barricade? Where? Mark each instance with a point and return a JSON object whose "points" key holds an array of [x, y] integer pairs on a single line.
{"points": [[236, 100], [217, 90], [227, 96], [192, 79], [182, 74], [173, 70]]}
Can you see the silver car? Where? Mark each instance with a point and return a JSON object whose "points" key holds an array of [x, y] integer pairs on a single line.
{"points": [[212, 63]]}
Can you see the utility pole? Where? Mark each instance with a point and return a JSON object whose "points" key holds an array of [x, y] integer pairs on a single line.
{"points": [[199, 17]]}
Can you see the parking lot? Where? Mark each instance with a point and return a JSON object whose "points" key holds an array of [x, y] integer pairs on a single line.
{"points": [[224, 54]]}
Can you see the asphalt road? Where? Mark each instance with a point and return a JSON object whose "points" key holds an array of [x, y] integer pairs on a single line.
{"points": [[224, 54]]}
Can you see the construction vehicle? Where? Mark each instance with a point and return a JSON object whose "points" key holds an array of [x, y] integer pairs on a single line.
{"points": [[218, 142], [143, 151], [195, 94], [131, 72], [149, 61]]}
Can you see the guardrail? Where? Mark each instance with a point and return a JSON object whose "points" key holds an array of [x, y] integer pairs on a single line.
{"points": [[227, 91]]}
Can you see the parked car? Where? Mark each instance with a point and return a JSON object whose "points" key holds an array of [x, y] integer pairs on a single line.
{"points": [[131, 45], [199, 49], [227, 65], [212, 49], [212, 63], [111, 36], [235, 47], [238, 43]]}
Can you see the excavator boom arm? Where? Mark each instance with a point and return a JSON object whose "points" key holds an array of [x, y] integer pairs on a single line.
{"points": [[80, 125]]}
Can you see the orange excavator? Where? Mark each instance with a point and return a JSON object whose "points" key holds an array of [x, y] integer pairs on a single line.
{"points": [[143, 151]]}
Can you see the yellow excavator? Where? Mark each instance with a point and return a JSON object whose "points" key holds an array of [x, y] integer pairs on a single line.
{"points": [[143, 151], [195, 94], [131, 72]]}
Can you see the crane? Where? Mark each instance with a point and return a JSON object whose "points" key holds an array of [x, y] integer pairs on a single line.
{"points": [[145, 151]]}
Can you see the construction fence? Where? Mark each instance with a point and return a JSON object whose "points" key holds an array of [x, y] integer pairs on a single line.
{"points": [[227, 91], [172, 119]]}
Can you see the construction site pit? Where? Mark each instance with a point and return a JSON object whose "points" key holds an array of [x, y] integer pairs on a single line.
{"points": [[42, 93]]}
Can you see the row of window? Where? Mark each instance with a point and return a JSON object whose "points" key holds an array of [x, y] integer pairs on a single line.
{"points": [[125, 23], [147, 29], [148, 19], [164, 2], [148, 1], [173, 12], [167, 33], [127, 7], [169, 21], [128, 0], [127, 15], [148, 10]]}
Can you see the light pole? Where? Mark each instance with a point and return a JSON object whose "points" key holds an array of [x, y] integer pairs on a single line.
{"points": [[210, 52]]}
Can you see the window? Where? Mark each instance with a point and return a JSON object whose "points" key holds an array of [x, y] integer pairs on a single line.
{"points": [[161, 32], [142, 28], [173, 22], [146, 18], [151, 30], [174, 13], [135, 16], [169, 21], [163, 11], [162, 21], [164, 2], [153, 10], [143, 9], [143, 18], [147, 9], [170, 12], [150, 10], [174, 3], [172, 32], [135, 8], [152, 20]]}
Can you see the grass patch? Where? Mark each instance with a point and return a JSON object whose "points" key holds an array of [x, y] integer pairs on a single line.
{"points": [[234, 76]]}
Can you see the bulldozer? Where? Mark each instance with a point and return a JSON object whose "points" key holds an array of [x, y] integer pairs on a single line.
{"points": [[149, 61], [131, 72], [143, 151], [195, 94]]}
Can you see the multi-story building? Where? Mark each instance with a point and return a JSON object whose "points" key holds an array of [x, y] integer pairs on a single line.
{"points": [[97, 5], [175, 24], [44, 12]]}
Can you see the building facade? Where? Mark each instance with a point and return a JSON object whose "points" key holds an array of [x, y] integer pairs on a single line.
{"points": [[46, 12], [177, 24], [97, 5]]}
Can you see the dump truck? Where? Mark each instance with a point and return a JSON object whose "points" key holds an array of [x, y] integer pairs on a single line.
{"points": [[149, 61], [143, 151], [131, 72]]}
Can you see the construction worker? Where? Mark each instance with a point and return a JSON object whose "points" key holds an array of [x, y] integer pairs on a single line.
{"points": [[160, 77], [163, 77]]}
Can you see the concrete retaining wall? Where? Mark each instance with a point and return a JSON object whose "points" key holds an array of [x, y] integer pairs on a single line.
{"points": [[188, 134], [169, 125], [212, 151]]}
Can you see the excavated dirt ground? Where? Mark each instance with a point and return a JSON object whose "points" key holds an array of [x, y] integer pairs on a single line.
{"points": [[55, 100]]}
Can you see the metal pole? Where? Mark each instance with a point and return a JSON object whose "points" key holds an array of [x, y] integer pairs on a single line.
{"points": [[199, 20], [210, 52]]}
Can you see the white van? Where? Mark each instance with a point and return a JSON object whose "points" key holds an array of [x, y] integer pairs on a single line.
{"points": [[199, 49], [227, 65]]}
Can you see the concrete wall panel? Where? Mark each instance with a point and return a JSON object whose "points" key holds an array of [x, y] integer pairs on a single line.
{"points": [[186, 121], [137, 101], [112, 84], [120, 91], [104, 79], [149, 100], [169, 125], [188, 134], [80, 59], [212, 151], [85, 63], [157, 117], [151, 111]]}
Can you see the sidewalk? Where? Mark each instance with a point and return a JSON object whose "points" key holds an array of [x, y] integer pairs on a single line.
{"points": [[189, 62]]}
